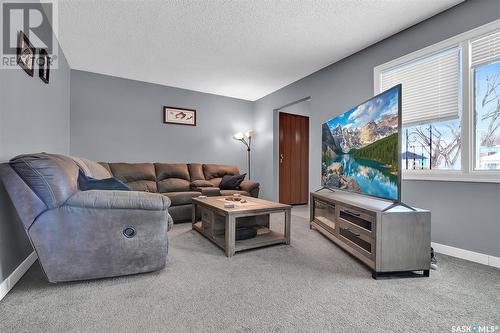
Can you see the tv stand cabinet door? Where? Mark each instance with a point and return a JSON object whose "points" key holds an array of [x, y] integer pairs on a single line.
{"points": [[403, 241]]}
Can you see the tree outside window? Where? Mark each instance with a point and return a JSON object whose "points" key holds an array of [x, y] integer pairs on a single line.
{"points": [[487, 116], [433, 146]]}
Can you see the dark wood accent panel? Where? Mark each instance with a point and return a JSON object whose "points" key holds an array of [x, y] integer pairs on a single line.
{"points": [[293, 159]]}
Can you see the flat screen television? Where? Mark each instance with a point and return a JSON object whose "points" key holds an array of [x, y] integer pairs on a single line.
{"points": [[361, 148]]}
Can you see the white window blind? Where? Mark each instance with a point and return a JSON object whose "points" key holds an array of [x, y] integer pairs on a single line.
{"points": [[485, 49], [430, 87]]}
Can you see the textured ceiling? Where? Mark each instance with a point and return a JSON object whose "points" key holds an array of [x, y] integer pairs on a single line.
{"points": [[243, 49]]}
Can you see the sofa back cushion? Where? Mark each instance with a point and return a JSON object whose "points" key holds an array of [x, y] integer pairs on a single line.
{"points": [[172, 177], [138, 176], [91, 168], [196, 171], [211, 171], [215, 172], [105, 165], [53, 178]]}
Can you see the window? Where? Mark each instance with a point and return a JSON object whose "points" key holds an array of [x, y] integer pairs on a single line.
{"points": [[450, 107], [432, 146], [485, 63], [431, 109]]}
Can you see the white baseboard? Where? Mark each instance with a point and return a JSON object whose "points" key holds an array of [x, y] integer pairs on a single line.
{"points": [[9, 283], [480, 258], [494, 261]]}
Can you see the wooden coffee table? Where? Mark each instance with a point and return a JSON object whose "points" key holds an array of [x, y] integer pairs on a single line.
{"points": [[218, 223]]}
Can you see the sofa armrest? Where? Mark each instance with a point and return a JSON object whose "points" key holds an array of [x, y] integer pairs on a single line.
{"points": [[93, 244], [209, 191], [251, 187], [119, 200]]}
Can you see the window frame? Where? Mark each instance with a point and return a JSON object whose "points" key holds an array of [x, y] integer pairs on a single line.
{"points": [[467, 172]]}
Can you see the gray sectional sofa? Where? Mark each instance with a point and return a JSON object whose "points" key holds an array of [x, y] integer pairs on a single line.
{"points": [[81, 235], [179, 182]]}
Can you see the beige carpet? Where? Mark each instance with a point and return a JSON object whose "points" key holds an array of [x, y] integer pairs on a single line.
{"points": [[310, 286]]}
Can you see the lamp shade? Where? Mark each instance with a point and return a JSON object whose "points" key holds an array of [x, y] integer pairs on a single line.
{"points": [[238, 136], [249, 133]]}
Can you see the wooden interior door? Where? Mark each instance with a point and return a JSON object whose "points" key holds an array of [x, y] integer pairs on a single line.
{"points": [[293, 159]]}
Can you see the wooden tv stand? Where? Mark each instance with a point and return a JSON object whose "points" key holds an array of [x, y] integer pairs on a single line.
{"points": [[396, 240]]}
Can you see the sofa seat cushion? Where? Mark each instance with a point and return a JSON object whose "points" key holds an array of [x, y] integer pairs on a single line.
{"points": [[231, 192], [181, 198], [142, 185], [200, 183], [215, 181], [173, 185]]}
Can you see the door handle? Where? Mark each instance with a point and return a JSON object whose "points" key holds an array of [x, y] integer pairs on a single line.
{"points": [[281, 158]]}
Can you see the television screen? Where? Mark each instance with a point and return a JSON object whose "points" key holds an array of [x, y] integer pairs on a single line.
{"points": [[360, 148]]}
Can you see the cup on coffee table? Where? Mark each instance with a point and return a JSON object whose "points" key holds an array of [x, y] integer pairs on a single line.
{"points": [[236, 197]]}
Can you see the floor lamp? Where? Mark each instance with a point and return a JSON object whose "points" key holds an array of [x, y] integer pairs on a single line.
{"points": [[240, 137]]}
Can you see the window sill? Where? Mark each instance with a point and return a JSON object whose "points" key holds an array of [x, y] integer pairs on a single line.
{"points": [[452, 176]]}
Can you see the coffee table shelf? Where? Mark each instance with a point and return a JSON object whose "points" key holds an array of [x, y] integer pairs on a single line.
{"points": [[218, 224], [271, 238]]}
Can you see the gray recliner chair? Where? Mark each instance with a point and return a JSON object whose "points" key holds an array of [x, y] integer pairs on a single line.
{"points": [[81, 235]]}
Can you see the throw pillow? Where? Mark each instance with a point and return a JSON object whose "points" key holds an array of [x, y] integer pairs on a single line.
{"points": [[229, 182], [86, 183]]}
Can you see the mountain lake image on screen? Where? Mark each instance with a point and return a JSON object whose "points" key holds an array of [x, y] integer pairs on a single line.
{"points": [[360, 148]]}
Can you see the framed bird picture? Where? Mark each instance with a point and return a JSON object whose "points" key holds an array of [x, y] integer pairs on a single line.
{"points": [[179, 116]]}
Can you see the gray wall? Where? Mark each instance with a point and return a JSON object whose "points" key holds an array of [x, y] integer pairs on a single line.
{"points": [[114, 119], [465, 215], [34, 117]]}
